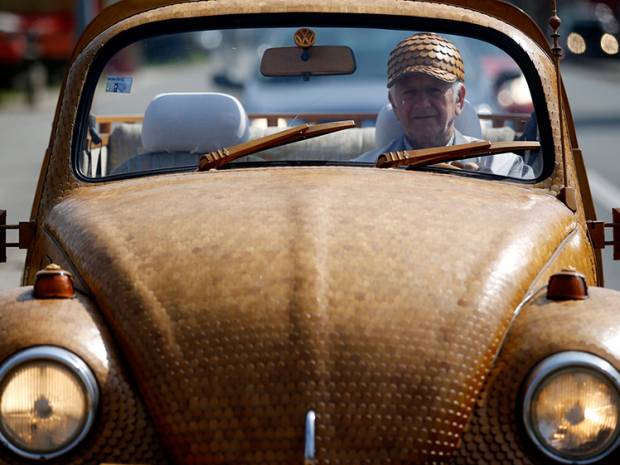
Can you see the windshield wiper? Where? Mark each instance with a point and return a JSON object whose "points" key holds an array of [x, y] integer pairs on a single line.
{"points": [[303, 131], [434, 155]]}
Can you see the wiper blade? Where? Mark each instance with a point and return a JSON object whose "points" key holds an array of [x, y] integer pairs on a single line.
{"points": [[433, 155], [220, 157]]}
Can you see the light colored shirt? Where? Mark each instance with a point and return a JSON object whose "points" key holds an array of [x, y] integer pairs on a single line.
{"points": [[503, 164]]}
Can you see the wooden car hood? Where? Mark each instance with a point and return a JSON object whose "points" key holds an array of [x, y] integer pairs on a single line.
{"points": [[244, 298]]}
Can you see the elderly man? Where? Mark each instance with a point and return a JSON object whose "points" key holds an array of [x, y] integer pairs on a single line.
{"points": [[427, 92]]}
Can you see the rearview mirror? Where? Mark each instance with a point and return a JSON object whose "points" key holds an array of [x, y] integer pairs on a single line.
{"points": [[325, 60]]}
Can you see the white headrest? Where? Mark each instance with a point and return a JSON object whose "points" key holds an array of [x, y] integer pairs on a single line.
{"points": [[388, 128], [196, 122]]}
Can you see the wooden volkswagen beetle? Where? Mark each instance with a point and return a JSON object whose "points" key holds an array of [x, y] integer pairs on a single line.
{"points": [[209, 283]]}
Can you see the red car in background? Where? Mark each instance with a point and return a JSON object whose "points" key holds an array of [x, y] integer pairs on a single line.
{"points": [[37, 39]]}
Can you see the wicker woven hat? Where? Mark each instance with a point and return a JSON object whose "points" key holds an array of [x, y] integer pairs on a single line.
{"points": [[426, 53]]}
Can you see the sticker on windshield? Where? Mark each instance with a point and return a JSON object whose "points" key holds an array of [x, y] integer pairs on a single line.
{"points": [[119, 84]]}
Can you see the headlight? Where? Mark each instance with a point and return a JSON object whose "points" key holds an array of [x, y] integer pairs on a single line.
{"points": [[48, 399], [571, 408], [576, 43], [609, 44]]}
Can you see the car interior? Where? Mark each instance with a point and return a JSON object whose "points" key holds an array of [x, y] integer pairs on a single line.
{"points": [[173, 127]]}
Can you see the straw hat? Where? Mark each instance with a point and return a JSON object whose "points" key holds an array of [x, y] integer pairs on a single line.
{"points": [[428, 53]]}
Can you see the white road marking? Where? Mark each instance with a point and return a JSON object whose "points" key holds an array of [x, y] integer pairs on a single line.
{"points": [[604, 191]]}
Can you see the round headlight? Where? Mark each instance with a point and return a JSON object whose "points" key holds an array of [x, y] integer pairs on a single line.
{"points": [[48, 399], [609, 44], [576, 43], [571, 408]]}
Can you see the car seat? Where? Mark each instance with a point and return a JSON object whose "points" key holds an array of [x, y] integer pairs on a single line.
{"points": [[179, 127], [194, 122]]}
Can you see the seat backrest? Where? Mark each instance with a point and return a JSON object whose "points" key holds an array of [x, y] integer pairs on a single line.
{"points": [[388, 128], [339, 146], [125, 142], [193, 122]]}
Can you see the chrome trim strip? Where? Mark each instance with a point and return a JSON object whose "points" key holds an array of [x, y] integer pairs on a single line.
{"points": [[309, 449], [74, 364], [529, 297], [551, 365], [536, 282]]}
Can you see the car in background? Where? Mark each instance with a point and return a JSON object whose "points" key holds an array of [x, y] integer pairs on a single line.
{"points": [[591, 31], [19, 56], [367, 92], [36, 42]]}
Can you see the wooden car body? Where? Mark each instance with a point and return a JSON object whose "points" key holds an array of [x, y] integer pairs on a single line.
{"points": [[403, 308]]}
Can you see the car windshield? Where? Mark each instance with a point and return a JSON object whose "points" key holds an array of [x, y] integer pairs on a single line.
{"points": [[162, 102]]}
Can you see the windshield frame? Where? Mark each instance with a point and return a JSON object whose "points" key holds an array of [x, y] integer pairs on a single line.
{"points": [[362, 20]]}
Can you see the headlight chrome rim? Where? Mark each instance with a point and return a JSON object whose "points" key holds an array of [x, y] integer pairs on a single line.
{"points": [[552, 365], [77, 366]]}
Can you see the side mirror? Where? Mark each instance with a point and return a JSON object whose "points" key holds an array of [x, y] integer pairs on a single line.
{"points": [[615, 218], [596, 229], [26, 234]]}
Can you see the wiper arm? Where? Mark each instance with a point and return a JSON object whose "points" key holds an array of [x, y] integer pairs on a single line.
{"points": [[431, 156], [220, 157]]}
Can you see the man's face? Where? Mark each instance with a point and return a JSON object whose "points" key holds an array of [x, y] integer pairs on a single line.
{"points": [[426, 108]]}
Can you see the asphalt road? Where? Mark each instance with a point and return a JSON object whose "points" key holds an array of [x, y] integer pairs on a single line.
{"points": [[594, 93], [24, 133], [593, 88]]}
